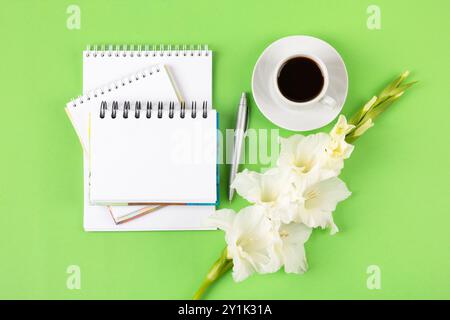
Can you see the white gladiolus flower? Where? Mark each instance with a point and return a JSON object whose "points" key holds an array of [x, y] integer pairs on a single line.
{"points": [[341, 128], [251, 240], [290, 200], [303, 154], [317, 200], [337, 152], [338, 149], [293, 237], [270, 189], [261, 188]]}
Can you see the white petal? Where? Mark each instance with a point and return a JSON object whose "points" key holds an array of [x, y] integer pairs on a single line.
{"points": [[251, 243], [250, 219], [222, 219], [288, 147], [339, 149], [295, 260], [333, 167], [314, 218], [348, 149], [298, 233], [286, 211], [247, 185], [313, 144], [333, 227], [294, 236], [320, 201], [341, 127], [310, 152], [329, 193], [241, 270], [262, 188]]}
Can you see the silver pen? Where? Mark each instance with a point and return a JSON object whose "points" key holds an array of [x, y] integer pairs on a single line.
{"points": [[239, 135]]}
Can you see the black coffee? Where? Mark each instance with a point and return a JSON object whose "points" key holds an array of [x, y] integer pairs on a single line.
{"points": [[300, 79]]}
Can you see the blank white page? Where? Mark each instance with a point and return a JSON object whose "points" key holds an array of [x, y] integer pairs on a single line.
{"points": [[153, 160]]}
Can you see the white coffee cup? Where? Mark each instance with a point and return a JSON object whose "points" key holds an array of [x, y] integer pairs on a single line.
{"points": [[322, 97]]}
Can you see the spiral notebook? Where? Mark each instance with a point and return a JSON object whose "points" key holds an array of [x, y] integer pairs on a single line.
{"points": [[153, 81], [153, 153], [191, 70]]}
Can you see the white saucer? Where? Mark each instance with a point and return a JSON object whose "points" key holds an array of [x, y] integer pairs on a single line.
{"points": [[315, 116]]}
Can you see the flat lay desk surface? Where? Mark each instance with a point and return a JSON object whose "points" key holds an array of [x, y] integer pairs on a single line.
{"points": [[396, 219]]}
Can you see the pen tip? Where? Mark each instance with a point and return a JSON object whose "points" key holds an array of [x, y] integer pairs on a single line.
{"points": [[231, 194], [243, 98]]}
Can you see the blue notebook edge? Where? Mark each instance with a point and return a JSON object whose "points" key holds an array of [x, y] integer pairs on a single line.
{"points": [[217, 203]]}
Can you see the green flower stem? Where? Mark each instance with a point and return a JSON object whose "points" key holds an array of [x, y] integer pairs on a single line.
{"points": [[364, 118], [221, 266]]}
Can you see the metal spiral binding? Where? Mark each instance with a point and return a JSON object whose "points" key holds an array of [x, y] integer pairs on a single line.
{"points": [[149, 110], [160, 109], [205, 109], [182, 109], [162, 50], [171, 109], [137, 109], [194, 109], [115, 85], [103, 108], [126, 108], [171, 106]]}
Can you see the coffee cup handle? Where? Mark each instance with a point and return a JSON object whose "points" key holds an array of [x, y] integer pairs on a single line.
{"points": [[328, 101]]}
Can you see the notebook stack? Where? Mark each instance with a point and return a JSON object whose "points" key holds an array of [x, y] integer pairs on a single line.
{"points": [[149, 137]]}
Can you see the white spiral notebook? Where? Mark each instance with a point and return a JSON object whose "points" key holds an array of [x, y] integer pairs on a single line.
{"points": [[191, 73], [152, 153]]}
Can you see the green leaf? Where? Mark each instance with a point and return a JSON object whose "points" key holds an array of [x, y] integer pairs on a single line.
{"points": [[402, 88], [394, 84], [358, 116], [384, 105], [373, 114], [363, 119]]}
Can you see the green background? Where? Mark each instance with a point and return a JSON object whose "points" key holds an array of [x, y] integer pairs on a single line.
{"points": [[397, 218]]}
